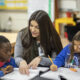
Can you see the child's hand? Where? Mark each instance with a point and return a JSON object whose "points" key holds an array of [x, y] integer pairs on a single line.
{"points": [[4, 71], [8, 69], [53, 67], [72, 69]]}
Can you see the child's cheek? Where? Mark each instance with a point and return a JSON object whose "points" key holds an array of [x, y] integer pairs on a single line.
{"points": [[75, 48]]}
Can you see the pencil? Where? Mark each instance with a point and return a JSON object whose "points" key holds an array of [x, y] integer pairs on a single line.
{"points": [[50, 59]]}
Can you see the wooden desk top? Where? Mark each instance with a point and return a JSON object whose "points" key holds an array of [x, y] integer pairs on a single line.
{"points": [[10, 35]]}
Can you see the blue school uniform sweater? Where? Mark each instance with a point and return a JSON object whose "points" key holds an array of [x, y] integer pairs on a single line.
{"points": [[11, 62], [60, 59]]}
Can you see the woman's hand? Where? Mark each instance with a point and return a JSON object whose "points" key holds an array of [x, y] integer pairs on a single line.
{"points": [[35, 62], [53, 67], [23, 67]]}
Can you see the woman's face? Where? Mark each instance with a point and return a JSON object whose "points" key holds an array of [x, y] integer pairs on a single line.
{"points": [[77, 46], [34, 28]]}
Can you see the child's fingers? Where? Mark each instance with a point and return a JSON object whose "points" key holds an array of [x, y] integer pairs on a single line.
{"points": [[53, 67], [72, 69]]}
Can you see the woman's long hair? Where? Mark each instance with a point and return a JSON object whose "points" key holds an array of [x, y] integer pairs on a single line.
{"points": [[75, 38], [49, 38]]}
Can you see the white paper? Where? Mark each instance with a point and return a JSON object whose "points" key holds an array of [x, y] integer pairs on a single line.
{"points": [[70, 75], [42, 68], [16, 75], [65, 72], [51, 75]]}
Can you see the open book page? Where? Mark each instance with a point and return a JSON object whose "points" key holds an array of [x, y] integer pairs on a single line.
{"points": [[42, 68], [16, 75], [64, 72], [70, 75], [51, 75]]}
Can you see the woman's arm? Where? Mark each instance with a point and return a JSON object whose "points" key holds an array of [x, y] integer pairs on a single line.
{"points": [[23, 67], [18, 52], [45, 61]]}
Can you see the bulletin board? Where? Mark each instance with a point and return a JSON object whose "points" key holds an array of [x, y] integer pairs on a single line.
{"points": [[13, 4], [68, 4]]}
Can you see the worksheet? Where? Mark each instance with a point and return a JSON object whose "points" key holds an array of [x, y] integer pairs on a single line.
{"points": [[16, 75], [51, 75], [70, 75], [64, 72]]}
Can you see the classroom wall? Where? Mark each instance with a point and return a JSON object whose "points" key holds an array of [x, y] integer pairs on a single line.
{"points": [[68, 5], [19, 19]]}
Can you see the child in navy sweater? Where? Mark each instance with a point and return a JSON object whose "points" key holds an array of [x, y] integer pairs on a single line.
{"points": [[69, 56], [7, 63]]}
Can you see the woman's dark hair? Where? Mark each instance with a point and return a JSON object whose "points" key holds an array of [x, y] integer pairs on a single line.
{"points": [[49, 38], [77, 38]]}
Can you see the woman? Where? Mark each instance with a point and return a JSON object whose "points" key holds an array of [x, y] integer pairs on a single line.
{"points": [[36, 42], [69, 56]]}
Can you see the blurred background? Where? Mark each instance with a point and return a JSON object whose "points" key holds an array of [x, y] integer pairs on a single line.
{"points": [[14, 15]]}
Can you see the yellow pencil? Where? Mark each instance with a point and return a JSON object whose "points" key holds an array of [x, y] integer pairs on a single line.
{"points": [[50, 59]]}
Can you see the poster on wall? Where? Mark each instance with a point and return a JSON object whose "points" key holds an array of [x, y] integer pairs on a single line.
{"points": [[13, 4], [46, 5], [2, 4]]}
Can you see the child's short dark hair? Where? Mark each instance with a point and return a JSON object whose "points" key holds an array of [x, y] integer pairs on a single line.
{"points": [[3, 40]]}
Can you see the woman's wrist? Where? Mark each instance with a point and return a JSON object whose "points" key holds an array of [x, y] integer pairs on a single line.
{"points": [[23, 62]]}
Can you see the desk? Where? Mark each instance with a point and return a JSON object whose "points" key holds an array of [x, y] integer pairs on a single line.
{"points": [[64, 72], [10, 35], [15, 75], [63, 20]]}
